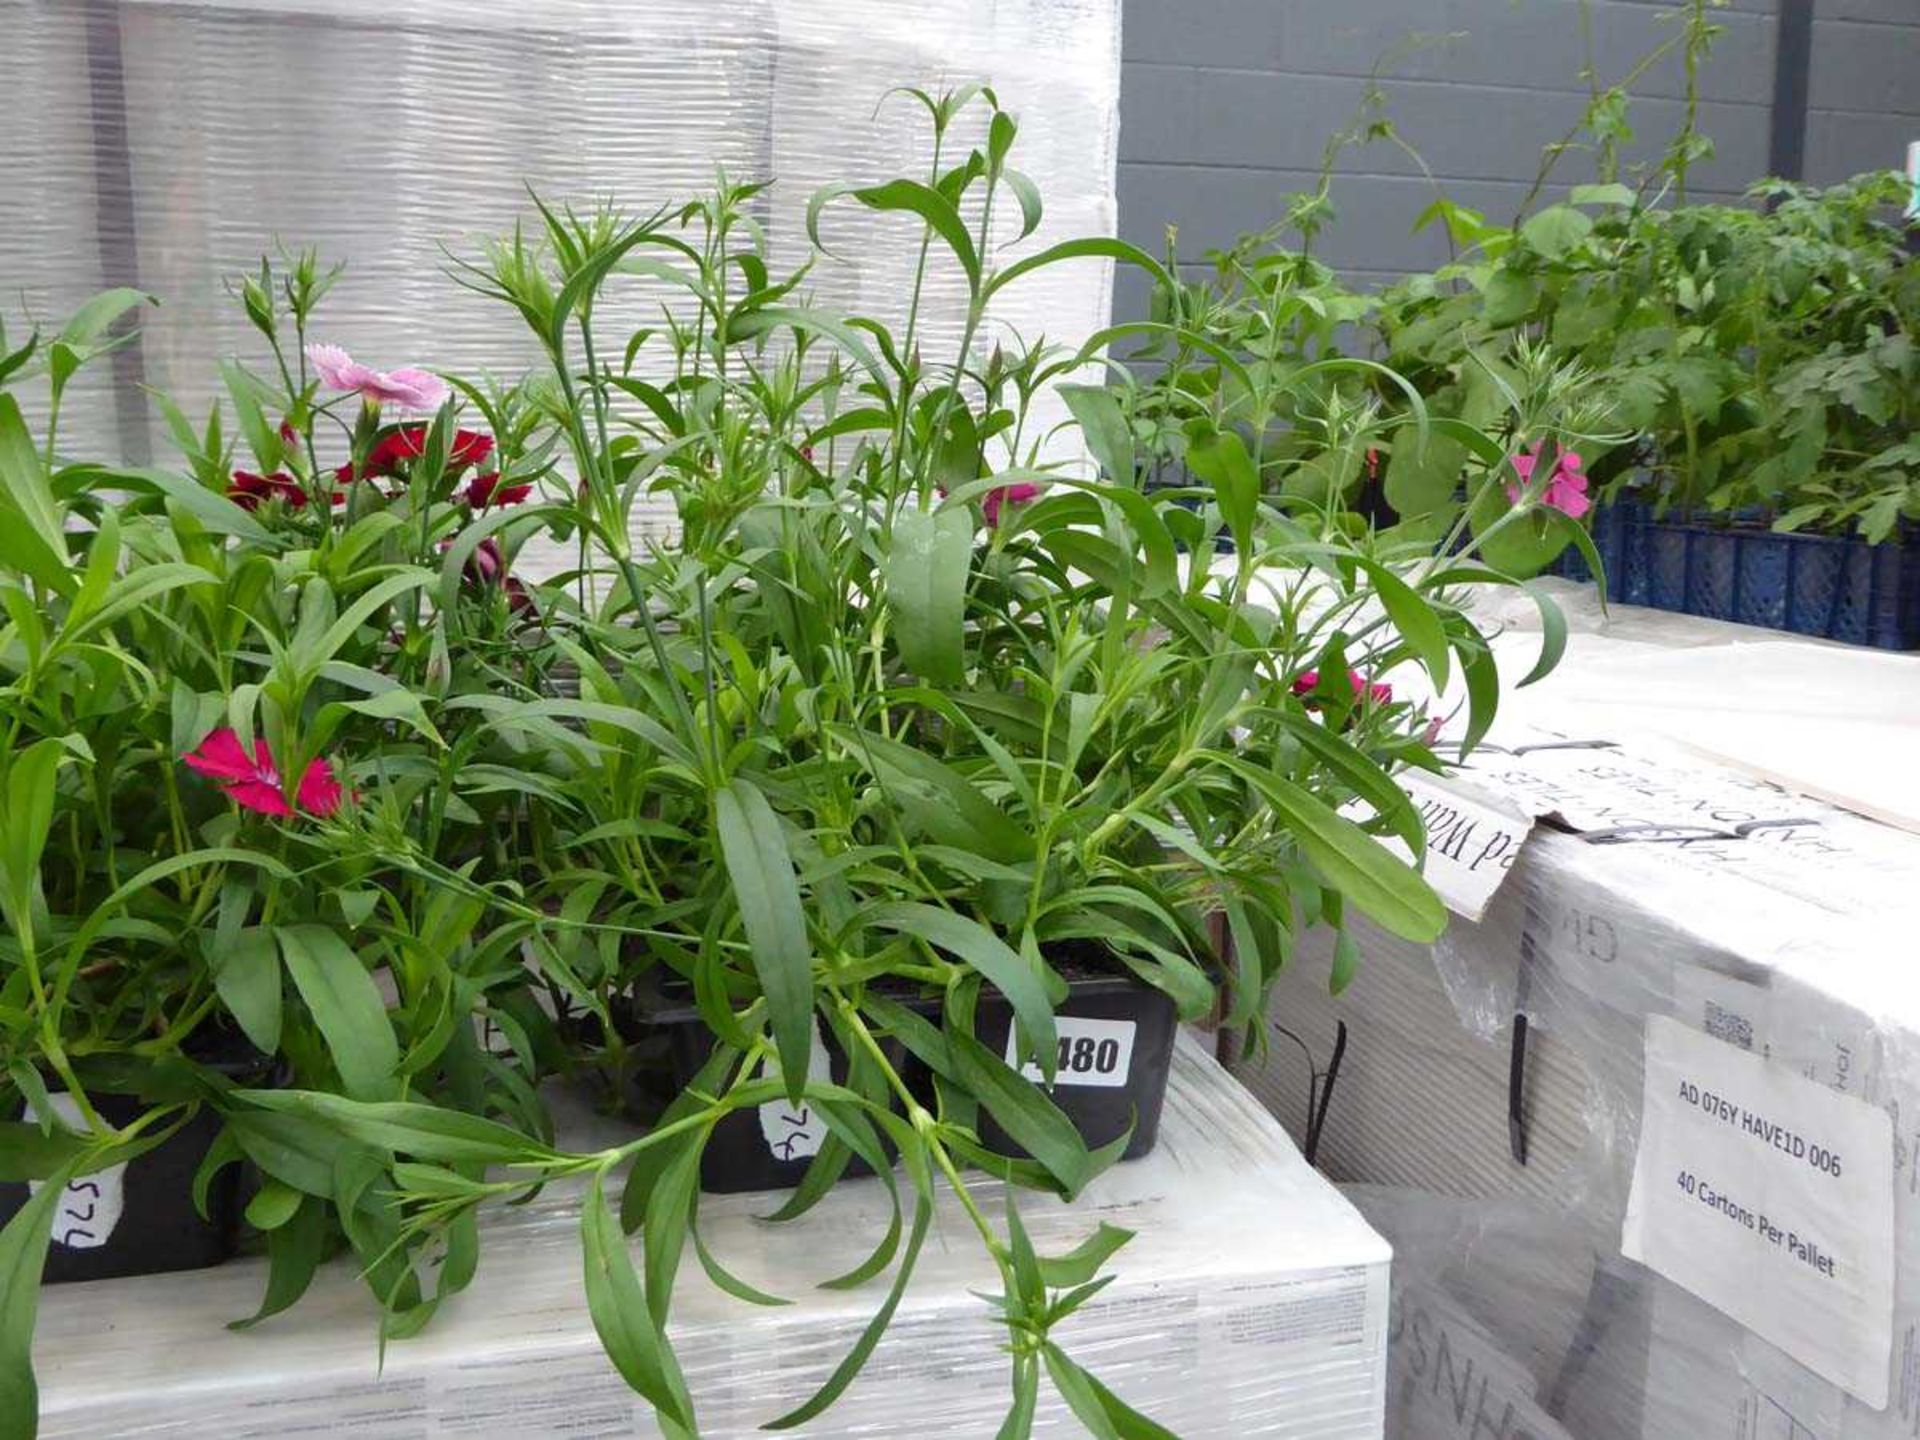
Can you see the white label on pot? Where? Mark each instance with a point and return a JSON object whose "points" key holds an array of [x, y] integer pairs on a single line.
{"points": [[1092, 1052], [90, 1207], [793, 1132], [1771, 1198], [1471, 842]]}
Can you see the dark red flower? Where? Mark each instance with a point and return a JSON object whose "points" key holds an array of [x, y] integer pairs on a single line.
{"points": [[403, 445], [487, 566], [485, 490], [250, 491]]}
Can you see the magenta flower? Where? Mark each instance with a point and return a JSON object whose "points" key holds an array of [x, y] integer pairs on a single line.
{"points": [[1566, 488], [1016, 494], [253, 781], [1378, 691], [409, 389]]}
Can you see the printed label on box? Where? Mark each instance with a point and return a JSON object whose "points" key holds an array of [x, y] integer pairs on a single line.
{"points": [[1092, 1052], [1471, 844], [1447, 1380], [1771, 1198]]}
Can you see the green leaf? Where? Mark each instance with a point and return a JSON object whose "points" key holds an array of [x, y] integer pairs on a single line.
{"points": [[1024, 1111], [1415, 619], [1093, 247], [1006, 971], [639, 1351], [1220, 458], [936, 799], [24, 490], [669, 1215], [1372, 877], [246, 973], [1083, 1262], [928, 559], [23, 1253], [1555, 231], [294, 1251], [1614, 194], [1346, 963], [726, 1280], [1104, 1414], [856, 1358], [347, 1007], [1553, 633], [1105, 428], [272, 1205], [426, 1132], [764, 886], [931, 206]]}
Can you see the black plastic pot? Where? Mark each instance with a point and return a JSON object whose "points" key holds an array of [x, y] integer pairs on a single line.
{"points": [[1116, 1047], [768, 1147], [138, 1218]]}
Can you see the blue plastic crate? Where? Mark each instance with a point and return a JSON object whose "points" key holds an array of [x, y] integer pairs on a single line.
{"points": [[1835, 587]]}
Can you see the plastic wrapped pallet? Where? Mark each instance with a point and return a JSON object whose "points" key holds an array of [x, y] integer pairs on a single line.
{"points": [[168, 145], [1253, 1301], [1699, 908]]}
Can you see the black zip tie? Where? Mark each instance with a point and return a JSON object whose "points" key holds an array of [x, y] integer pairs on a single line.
{"points": [[1323, 1083], [1517, 1058]]}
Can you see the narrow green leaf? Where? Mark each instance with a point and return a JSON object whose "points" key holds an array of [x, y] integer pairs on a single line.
{"points": [[1415, 619], [768, 893], [347, 1007], [1024, 1111], [930, 205], [294, 1250], [928, 559], [669, 1216], [1553, 633], [969, 941], [639, 1351], [247, 976], [1105, 427], [1352, 861], [1220, 458], [1083, 1262], [426, 1132], [23, 1253], [1098, 1408], [856, 1358]]}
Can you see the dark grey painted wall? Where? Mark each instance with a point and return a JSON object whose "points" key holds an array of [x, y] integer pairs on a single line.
{"points": [[1225, 106]]}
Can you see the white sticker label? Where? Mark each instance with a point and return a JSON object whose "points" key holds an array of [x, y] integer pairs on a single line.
{"points": [[1092, 1052], [1471, 844], [90, 1206], [793, 1132], [1771, 1198]]}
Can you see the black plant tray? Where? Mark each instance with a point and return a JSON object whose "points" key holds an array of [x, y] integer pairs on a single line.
{"points": [[1116, 1048], [138, 1218]]}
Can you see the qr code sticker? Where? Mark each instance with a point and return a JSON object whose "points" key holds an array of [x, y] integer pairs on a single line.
{"points": [[1729, 1025]]}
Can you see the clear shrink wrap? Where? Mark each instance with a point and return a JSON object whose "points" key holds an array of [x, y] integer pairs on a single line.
{"points": [[1253, 1301], [1494, 1085], [168, 145]]}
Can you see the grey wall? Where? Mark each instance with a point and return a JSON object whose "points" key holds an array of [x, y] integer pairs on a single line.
{"points": [[1225, 106]]}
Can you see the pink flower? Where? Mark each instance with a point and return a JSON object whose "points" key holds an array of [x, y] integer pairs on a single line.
{"points": [[254, 781], [1018, 493], [409, 389], [1378, 691], [1566, 488]]}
